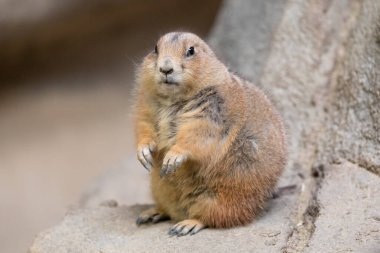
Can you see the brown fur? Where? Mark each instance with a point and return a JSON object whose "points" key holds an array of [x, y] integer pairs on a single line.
{"points": [[225, 131]]}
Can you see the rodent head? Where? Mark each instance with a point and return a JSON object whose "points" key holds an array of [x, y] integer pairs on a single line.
{"points": [[180, 62]]}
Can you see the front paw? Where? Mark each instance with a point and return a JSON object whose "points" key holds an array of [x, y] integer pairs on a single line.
{"points": [[172, 161], [144, 155]]}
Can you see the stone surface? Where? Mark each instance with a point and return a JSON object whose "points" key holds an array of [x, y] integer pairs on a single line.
{"points": [[301, 69], [353, 130], [349, 218], [243, 32], [322, 72], [112, 229], [126, 184]]}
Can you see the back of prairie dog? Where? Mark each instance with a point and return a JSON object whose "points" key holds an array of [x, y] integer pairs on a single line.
{"points": [[213, 142]]}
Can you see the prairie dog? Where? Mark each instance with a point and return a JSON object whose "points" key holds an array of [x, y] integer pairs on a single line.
{"points": [[213, 142]]}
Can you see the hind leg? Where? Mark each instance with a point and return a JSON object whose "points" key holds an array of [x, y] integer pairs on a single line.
{"points": [[151, 215], [221, 212]]}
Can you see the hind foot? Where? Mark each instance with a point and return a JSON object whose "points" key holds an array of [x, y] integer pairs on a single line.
{"points": [[185, 227], [151, 215]]}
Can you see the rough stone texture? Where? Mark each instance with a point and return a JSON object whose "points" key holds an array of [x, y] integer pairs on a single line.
{"points": [[301, 66], [243, 32], [113, 229], [354, 115], [317, 46], [349, 220], [322, 72]]}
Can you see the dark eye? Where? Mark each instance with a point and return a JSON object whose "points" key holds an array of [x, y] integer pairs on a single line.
{"points": [[190, 51], [156, 50]]}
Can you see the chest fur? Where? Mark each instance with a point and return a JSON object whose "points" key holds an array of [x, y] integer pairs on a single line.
{"points": [[206, 105], [166, 127]]}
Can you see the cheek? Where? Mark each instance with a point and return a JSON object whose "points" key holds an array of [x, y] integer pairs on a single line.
{"points": [[151, 64], [150, 67], [191, 70], [146, 73], [187, 76], [197, 77]]}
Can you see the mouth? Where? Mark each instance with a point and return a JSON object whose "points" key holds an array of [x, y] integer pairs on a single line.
{"points": [[169, 81]]}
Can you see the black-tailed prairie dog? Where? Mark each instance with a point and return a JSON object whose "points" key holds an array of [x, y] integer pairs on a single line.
{"points": [[213, 141]]}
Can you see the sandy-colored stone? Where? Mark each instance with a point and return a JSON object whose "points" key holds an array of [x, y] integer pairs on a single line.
{"points": [[349, 206], [243, 32], [112, 229], [127, 184]]}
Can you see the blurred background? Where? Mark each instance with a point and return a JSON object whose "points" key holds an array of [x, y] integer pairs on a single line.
{"points": [[66, 74]]}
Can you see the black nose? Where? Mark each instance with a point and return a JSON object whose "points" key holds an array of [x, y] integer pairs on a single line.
{"points": [[166, 71]]}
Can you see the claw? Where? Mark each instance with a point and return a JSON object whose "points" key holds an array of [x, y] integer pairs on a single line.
{"points": [[196, 229], [186, 227], [173, 231], [150, 215], [171, 163], [159, 217], [144, 155], [142, 220], [145, 166], [166, 169], [178, 161], [147, 155], [186, 230]]}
